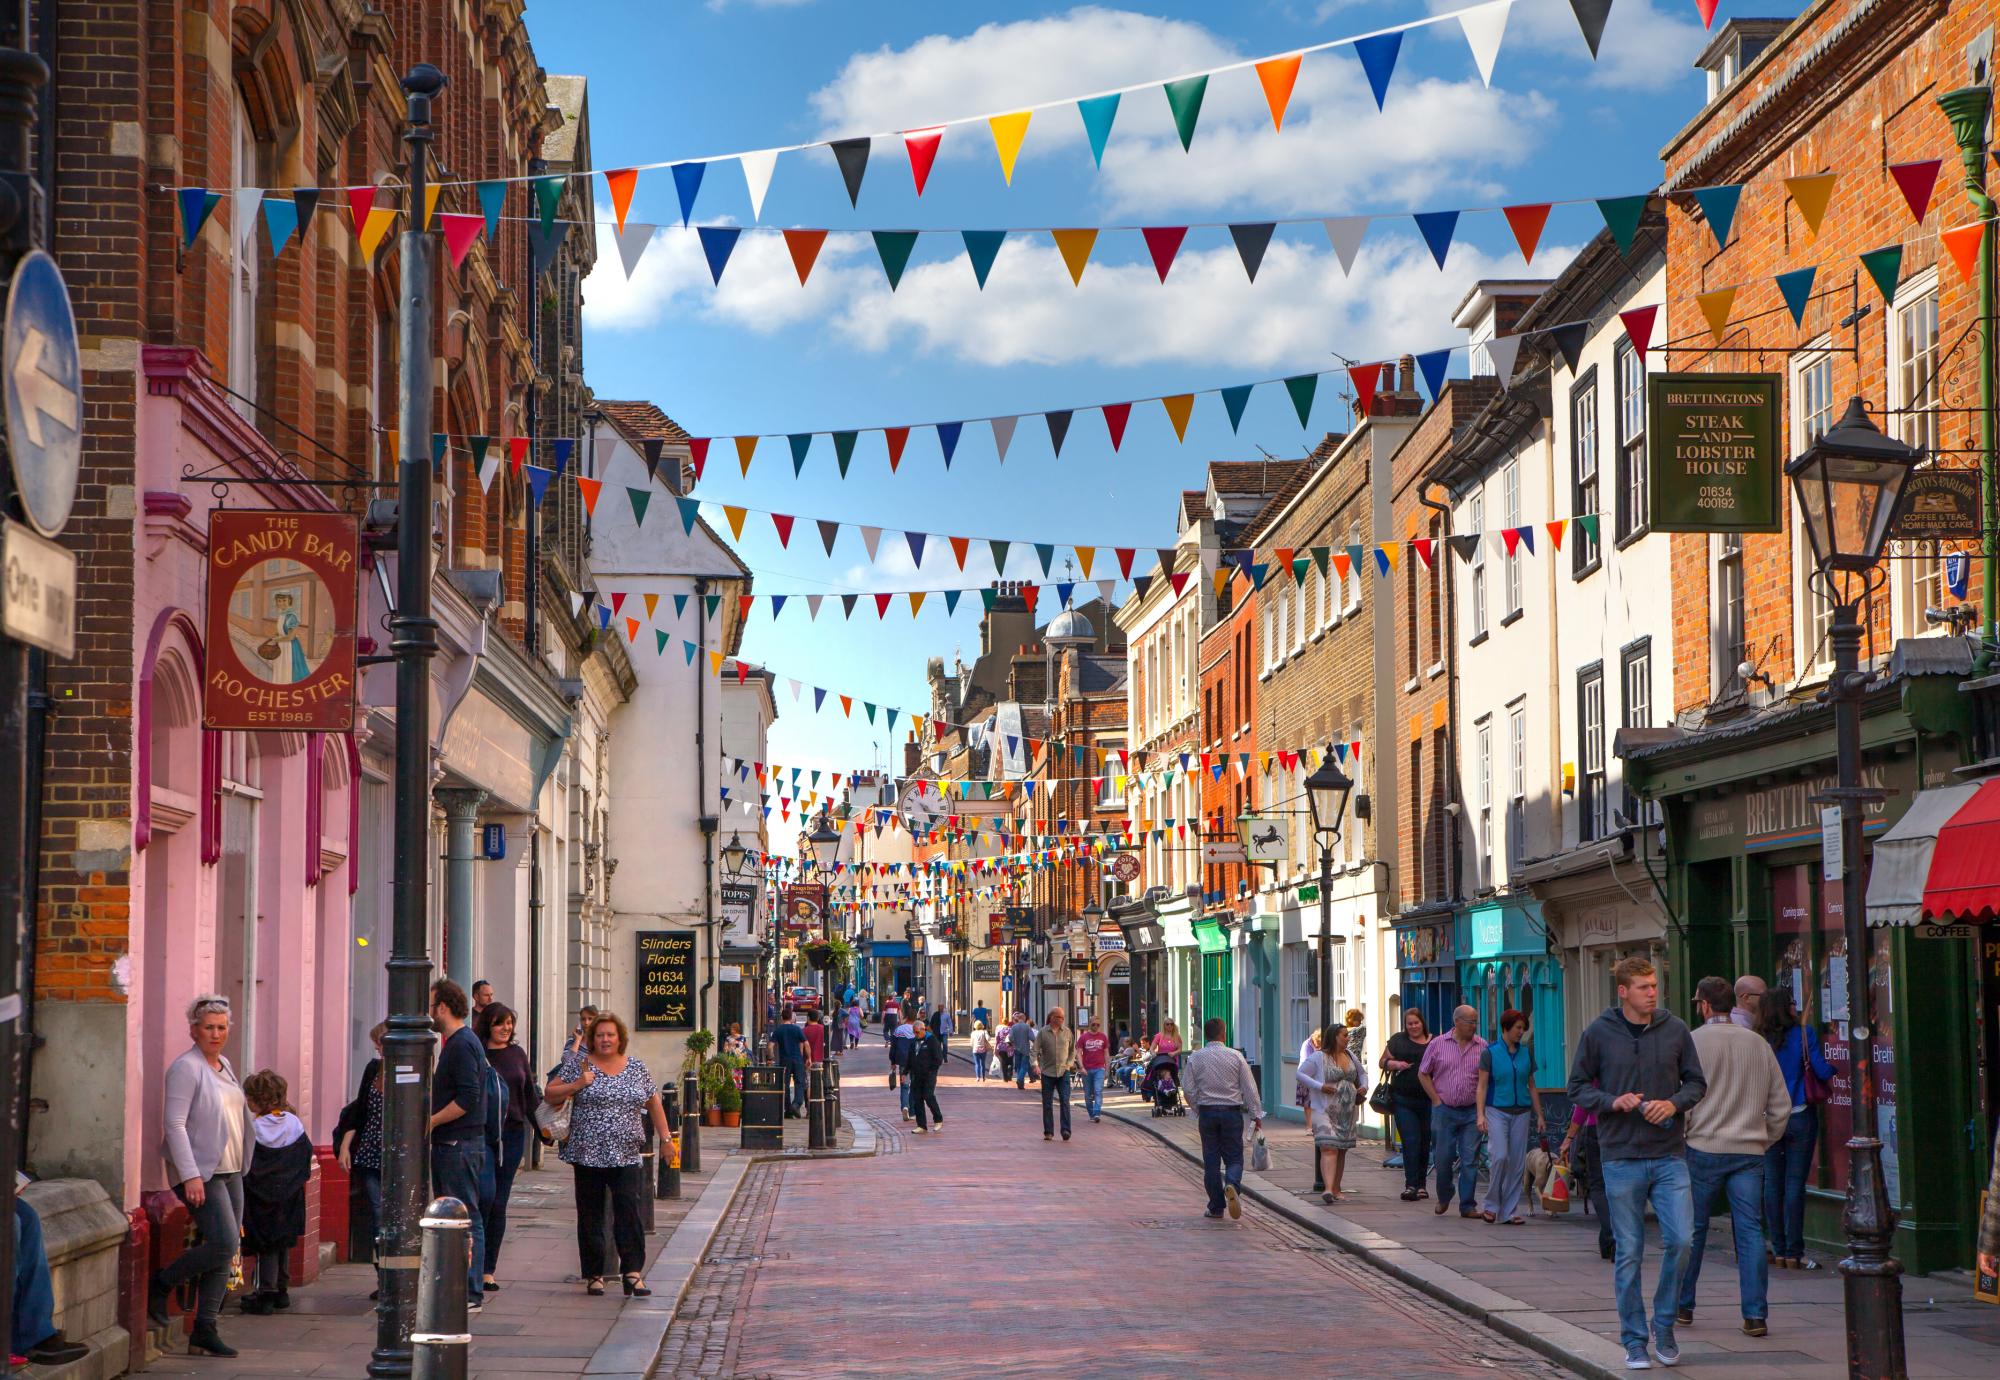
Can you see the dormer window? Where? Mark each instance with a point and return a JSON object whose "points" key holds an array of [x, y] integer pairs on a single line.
{"points": [[1735, 46]]}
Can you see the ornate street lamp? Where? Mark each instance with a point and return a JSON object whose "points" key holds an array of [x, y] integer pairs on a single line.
{"points": [[734, 854], [1327, 790], [1849, 485]]}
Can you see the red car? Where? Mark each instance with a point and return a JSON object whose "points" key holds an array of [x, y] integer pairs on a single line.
{"points": [[803, 998]]}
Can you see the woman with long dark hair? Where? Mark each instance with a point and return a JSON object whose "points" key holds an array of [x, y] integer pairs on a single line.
{"points": [[1789, 1162], [1400, 1057], [495, 1028]]}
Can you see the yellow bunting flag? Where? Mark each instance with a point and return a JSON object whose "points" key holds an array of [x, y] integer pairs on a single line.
{"points": [[1278, 75], [917, 600], [1391, 551], [431, 194], [1715, 307], [1084, 556], [1811, 195], [1179, 409], [735, 516], [1222, 577], [374, 229], [1008, 131], [652, 603], [715, 663], [746, 446], [1075, 246]]}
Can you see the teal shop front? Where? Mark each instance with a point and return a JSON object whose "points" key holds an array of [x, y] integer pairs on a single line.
{"points": [[1507, 966]]}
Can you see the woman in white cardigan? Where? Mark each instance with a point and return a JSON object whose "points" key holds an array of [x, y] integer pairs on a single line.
{"points": [[207, 1148]]}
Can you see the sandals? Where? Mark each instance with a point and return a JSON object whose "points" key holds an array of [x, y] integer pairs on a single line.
{"points": [[1515, 1222], [594, 1285], [635, 1287], [1486, 1217], [1410, 1195]]}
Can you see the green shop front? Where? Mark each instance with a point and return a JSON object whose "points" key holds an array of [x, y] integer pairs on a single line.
{"points": [[1506, 965], [1747, 894]]}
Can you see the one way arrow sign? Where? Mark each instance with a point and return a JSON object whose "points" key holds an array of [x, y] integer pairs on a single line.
{"points": [[44, 387]]}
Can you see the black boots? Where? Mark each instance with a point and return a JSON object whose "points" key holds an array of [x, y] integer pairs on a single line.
{"points": [[206, 1339]]}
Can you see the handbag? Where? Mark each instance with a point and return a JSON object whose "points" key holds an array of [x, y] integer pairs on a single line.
{"points": [[1260, 1156], [1383, 1100], [1815, 1088], [555, 1120]]}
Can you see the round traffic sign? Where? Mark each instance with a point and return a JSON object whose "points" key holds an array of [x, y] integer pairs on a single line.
{"points": [[44, 386]]}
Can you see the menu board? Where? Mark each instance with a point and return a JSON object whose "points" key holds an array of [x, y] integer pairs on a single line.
{"points": [[665, 980]]}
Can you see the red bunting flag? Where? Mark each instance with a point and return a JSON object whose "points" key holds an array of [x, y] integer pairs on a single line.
{"points": [[459, 233], [882, 605], [360, 201], [1365, 378], [1510, 537], [698, 451], [1639, 327], [1527, 223], [783, 522], [1918, 181], [1115, 417], [1707, 8], [897, 437], [617, 602], [743, 605], [1424, 547], [804, 246], [959, 545], [517, 452], [922, 145], [1125, 554], [589, 488], [1163, 242]]}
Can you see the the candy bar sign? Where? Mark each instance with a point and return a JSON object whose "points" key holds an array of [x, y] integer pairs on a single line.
{"points": [[282, 596]]}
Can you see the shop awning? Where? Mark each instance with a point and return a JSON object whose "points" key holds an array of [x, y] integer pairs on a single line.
{"points": [[1942, 857]]}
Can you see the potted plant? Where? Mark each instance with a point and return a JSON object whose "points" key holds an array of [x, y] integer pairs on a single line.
{"points": [[699, 1043], [729, 1104], [715, 1076], [819, 954]]}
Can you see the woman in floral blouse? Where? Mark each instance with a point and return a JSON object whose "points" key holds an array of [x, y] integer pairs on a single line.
{"points": [[613, 1095]]}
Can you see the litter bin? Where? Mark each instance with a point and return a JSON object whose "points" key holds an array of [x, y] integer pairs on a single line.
{"points": [[763, 1107]]}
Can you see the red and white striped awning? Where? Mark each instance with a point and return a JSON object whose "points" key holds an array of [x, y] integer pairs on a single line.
{"points": [[1941, 861]]}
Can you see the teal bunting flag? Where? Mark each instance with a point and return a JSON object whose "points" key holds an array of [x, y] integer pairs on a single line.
{"points": [[1234, 400], [1098, 112], [1621, 217], [281, 218], [690, 514], [843, 450], [1796, 288], [893, 247], [801, 447], [1301, 388], [981, 246], [640, 499], [548, 196], [492, 199], [1718, 208]]}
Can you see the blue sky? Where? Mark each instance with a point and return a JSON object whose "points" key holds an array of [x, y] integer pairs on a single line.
{"points": [[760, 354]]}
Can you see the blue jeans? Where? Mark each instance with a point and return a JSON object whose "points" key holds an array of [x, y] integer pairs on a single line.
{"points": [[1093, 1092], [1455, 1147], [1506, 1160], [34, 1315], [513, 1145], [1055, 1090], [1628, 1186], [979, 1062], [1786, 1167], [796, 1087], [456, 1170], [1221, 1151], [1742, 1178]]}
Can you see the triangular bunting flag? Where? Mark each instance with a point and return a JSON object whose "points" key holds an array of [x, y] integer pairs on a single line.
{"points": [[1179, 409], [1003, 434], [1365, 378], [1277, 76], [1590, 17], [1300, 388], [1251, 242], [1917, 181], [492, 200], [1885, 267], [1707, 10], [1718, 208], [852, 156], [757, 169], [1058, 428], [871, 539], [1345, 233], [1115, 417], [1715, 307], [1436, 228], [1502, 351], [1163, 242], [804, 246], [1810, 194], [948, 434], [828, 533], [897, 437], [746, 446], [1234, 400], [360, 201], [538, 481], [620, 182], [1433, 365], [690, 511], [641, 498], [1638, 323], [548, 196], [1555, 531], [1075, 247], [922, 146], [1098, 112], [1527, 222], [783, 523], [801, 444], [374, 229], [1378, 59], [1184, 98], [915, 541], [589, 488], [281, 219], [1569, 339], [999, 550], [893, 247], [1621, 217], [459, 233], [1963, 245], [959, 546], [1464, 547], [718, 242], [981, 246], [1008, 131], [632, 242], [735, 516], [1484, 26], [1796, 288]]}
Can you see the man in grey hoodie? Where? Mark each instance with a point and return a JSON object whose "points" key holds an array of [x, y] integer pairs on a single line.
{"points": [[1637, 1070]]}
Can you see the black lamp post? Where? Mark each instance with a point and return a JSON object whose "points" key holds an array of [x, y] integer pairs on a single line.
{"points": [[1849, 485], [825, 856], [1327, 790]]}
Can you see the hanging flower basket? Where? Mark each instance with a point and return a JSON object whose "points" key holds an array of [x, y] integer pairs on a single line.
{"points": [[819, 956]]}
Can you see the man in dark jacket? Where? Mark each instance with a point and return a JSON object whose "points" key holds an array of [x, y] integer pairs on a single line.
{"points": [[902, 1044], [927, 1056], [1636, 1069], [790, 1042]]}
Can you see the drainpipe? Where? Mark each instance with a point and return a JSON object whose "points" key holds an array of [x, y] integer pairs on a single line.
{"points": [[1967, 109], [708, 821]]}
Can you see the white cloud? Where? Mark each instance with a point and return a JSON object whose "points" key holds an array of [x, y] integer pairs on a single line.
{"points": [[1299, 308], [1337, 151]]}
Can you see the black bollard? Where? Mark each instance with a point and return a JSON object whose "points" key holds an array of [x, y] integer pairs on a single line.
{"points": [[816, 1108], [691, 1124], [442, 1342], [670, 1153]]}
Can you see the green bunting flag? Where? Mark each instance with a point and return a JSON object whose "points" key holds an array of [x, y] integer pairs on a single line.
{"points": [[1184, 97], [1885, 266], [1621, 217], [640, 498], [894, 246], [548, 195], [843, 450], [1302, 387]]}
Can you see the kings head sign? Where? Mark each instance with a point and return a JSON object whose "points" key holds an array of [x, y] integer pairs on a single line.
{"points": [[282, 593], [1712, 452]]}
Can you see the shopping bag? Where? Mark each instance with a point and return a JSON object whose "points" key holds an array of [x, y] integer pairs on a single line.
{"points": [[1555, 1198], [1260, 1156]]}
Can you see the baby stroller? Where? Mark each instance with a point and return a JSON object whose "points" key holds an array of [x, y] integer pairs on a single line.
{"points": [[1162, 1086]]}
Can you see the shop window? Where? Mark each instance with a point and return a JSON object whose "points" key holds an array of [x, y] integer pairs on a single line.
{"points": [[1298, 978], [1913, 418], [243, 268]]}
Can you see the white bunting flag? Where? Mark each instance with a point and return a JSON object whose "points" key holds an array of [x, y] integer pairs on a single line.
{"points": [[757, 169]]}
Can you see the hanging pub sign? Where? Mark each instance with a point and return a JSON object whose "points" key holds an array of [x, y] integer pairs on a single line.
{"points": [[1712, 452], [805, 908], [282, 597], [665, 981], [1938, 504]]}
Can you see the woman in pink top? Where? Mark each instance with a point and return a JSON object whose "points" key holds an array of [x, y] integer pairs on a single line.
{"points": [[1168, 1041]]}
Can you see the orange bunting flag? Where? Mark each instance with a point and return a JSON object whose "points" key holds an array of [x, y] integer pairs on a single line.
{"points": [[1555, 531], [620, 183], [374, 230], [1390, 550], [1008, 131], [1342, 564], [1179, 409], [1278, 75], [652, 603], [1527, 223], [804, 246], [959, 546], [735, 516], [1075, 246], [917, 600], [1811, 195], [1963, 246], [631, 630], [434, 191], [847, 706], [715, 663], [746, 446], [1715, 308], [589, 488], [1084, 556]]}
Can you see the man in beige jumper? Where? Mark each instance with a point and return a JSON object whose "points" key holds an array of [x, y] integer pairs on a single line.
{"points": [[1055, 1053], [1728, 1132]]}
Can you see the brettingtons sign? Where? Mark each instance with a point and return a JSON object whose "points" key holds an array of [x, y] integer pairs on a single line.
{"points": [[282, 592], [1712, 452]]}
